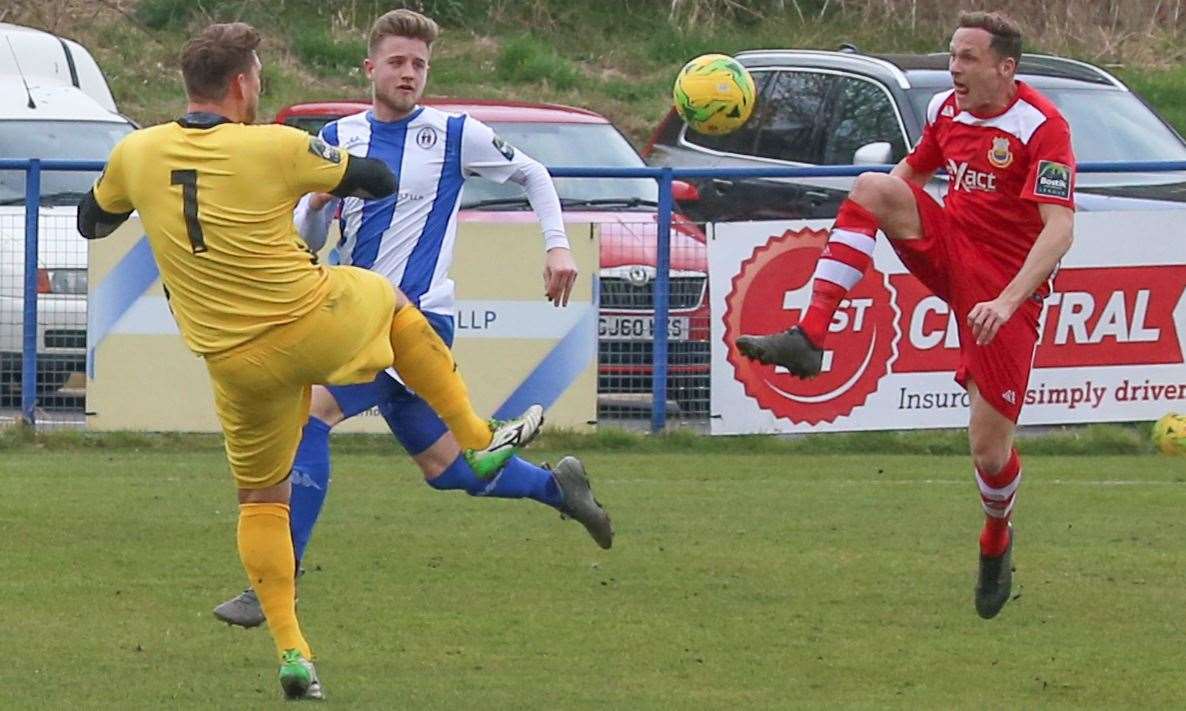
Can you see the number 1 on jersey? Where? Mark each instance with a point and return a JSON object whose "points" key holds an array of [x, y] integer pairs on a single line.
{"points": [[188, 180]]}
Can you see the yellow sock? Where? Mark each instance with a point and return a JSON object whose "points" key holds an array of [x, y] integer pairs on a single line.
{"points": [[424, 362], [265, 547]]}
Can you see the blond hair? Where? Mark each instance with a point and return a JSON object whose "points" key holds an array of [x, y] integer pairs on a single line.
{"points": [[403, 23]]}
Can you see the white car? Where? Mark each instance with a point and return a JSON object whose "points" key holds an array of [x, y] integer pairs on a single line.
{"points": [[64, 115]]}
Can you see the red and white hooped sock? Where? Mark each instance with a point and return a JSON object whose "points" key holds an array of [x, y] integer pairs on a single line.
{"points": [[998, 493], [846, 256]]}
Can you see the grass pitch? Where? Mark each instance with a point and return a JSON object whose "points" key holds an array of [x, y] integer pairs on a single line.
{"points": [[764, 580]]}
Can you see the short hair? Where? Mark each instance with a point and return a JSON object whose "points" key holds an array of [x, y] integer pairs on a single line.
{"points": [[209, 60], [1006, 33], [403, 23]]}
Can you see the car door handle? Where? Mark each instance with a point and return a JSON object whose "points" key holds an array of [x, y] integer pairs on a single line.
{"points": [[722, 186], [817, 197]]}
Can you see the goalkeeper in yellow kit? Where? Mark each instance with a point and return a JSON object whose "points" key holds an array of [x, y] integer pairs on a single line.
{"points": [[216, 195]]}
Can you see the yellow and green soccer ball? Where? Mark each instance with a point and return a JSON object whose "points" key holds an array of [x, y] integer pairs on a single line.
{"points": [[714, 94], [1169, 434]]}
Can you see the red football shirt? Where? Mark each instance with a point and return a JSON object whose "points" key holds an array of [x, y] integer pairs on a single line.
{"points": [[1001, 167]]}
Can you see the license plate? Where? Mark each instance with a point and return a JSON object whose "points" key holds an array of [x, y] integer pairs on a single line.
{"points": [[640, 328]]}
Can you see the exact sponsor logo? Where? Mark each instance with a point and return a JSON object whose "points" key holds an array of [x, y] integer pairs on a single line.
{"points": [[862, 338], [966, 179], [1053, 180]]}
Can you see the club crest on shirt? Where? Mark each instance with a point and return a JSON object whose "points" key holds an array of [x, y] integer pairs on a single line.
{"points": [[1053, 180], [322, 149], [1000, 155], [426, 137], [504, 148]]}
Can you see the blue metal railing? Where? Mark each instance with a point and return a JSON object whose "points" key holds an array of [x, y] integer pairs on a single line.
{"points": [[33, 169], [664, 177]]}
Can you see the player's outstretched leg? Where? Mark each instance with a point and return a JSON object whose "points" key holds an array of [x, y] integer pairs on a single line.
{"points": [[843, 262], [497, 473], [298, 677], [425, 363], [564, 488]]}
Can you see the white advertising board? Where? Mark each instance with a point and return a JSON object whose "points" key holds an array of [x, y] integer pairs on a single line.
{"points": [[1111, 347]]}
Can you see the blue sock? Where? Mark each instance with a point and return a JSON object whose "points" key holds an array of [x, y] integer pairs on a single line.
{"points": [[310, 483], [518, 479]]}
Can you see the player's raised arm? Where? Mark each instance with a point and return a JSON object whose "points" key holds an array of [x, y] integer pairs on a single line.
{"points": [[106, 205]]}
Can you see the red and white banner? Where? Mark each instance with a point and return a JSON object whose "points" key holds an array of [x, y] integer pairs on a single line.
{"points": [[1114, 333]]}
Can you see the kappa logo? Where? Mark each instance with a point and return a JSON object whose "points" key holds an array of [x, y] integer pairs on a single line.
{"points": [[321, 149], [1053, 179], [426, 138], [1000, 155], [861, 347], [300, 478]]}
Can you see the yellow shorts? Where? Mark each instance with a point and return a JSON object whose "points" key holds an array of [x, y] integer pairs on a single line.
{"points": [[262, 388]]}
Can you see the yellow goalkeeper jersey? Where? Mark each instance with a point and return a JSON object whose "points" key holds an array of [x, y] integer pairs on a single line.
{"points": [[217, 202]]}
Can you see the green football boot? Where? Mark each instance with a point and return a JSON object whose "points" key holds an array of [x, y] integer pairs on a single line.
{"points": [[298, 678], [508, 437]]}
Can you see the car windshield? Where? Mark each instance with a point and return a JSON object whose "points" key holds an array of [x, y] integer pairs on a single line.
{"points": [[571, 145], [1105, 125], [61, 140]]}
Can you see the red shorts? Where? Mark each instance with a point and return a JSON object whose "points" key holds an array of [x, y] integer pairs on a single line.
{"points": [[951, 266]]}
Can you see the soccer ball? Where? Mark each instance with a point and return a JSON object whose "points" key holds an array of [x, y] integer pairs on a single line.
{"points": [[1169, 434], [714, 94]]}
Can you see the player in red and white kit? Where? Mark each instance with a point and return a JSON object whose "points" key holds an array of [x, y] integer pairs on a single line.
{"points": [[988, 252]]}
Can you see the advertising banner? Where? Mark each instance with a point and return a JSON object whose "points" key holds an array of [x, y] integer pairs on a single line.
{"points": [[512, 346], [1111, 347]]}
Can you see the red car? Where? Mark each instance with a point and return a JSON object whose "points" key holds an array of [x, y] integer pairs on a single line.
{"points": [[625, 210]]}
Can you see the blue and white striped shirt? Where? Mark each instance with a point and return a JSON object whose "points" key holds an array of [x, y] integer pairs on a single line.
{"points": [[408, 237]]}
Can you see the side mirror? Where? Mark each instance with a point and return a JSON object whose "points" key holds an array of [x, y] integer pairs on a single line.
{"points": [[877, 153], [686, 192]]}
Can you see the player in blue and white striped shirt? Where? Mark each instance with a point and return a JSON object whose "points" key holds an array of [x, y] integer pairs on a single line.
{"points": [[409, 239]]}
